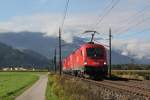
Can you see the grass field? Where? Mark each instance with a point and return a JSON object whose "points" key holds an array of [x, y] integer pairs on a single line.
{"points": [[14, 83], [132, 74]]}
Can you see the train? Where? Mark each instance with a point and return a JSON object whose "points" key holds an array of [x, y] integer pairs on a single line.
{"points": [[90, 60]]}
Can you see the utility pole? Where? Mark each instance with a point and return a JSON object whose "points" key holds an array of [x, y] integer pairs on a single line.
{"points": [[110, 36], [55, 60], [60, 63]]}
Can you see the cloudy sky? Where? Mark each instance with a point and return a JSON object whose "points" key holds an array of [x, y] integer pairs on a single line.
{"points": [[128, 19]]}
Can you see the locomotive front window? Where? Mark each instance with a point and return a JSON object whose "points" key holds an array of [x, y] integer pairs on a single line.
{"points": [[90, 52], [94, 52]]}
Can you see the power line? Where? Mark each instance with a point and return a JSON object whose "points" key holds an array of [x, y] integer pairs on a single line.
{"points": [[105, 9], [136, 14], [65, 13], [137, 33], [134, 25], [105, 14], [132, 18], [101, 16]]}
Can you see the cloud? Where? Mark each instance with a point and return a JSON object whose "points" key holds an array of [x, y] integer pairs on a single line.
{"points": [[48, 24], [37, 22], [136, 48], [124, 53]]}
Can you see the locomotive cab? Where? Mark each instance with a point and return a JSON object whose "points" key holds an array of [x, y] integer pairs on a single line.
{"points": [[95, 60]]}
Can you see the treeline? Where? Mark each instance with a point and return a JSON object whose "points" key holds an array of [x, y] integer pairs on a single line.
{"points": [[131, 67]]}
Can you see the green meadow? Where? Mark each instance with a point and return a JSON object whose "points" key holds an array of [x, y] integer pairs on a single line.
{"points": [[133, 74], [14, 83]]}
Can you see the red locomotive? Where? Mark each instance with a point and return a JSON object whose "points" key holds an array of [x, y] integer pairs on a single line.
{"points": [[89, 60]]}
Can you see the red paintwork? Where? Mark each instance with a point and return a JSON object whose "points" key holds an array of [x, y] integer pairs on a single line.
{"points": [[77, 59]]}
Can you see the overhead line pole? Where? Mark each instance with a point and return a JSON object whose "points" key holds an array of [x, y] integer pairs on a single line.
{"points": [[110, 36], [55, 60], [60, 30], [60, 56]]}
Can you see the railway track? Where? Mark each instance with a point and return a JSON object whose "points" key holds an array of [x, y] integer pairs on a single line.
{"points": [[130, 83], [120, 88]]}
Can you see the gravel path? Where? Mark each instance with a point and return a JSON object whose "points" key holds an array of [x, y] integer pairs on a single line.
{"points": [[37, 91]]}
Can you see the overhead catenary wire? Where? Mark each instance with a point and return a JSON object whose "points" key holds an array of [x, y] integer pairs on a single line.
{"points": [[137, 33], [132, 18], [101, 17], [134, 25], [120, 30], [112, 5], [65, 14], [105, 9], [138, 14]]}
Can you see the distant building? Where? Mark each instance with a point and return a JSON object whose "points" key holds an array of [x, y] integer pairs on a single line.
{"points": [[5, 69], [22, 69], [33, 69], [16, 68]]}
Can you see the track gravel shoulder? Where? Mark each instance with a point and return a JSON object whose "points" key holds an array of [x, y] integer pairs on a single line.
{"points": [[37, 91]]}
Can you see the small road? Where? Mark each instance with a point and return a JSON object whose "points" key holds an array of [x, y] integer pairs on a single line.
{"points": [[37, 91]]}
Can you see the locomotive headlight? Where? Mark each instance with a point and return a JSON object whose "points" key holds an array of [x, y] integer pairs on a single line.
{"points": [[85, 62], [105, 63]]}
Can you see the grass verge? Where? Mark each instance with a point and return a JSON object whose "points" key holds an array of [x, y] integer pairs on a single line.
{"points": [[59, 88], [50, 95]]}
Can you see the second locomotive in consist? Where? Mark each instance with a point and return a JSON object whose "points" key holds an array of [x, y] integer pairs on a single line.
{"points": [[90, 59]]}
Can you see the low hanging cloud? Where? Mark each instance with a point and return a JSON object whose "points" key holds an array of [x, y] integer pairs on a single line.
{"points": [[136, 48], [48, 24], [38, 22]]}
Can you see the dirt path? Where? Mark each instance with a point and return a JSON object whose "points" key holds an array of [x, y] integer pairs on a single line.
{"points": [[37, 91]]}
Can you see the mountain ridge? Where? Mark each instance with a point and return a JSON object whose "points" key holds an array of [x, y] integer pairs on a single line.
{"points": [[10, 56]]}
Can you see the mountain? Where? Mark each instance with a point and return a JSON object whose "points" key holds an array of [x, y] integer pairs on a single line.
{"points": [[29, 40], [117, 58], [27, 58], [45, 46], [37, 42]]}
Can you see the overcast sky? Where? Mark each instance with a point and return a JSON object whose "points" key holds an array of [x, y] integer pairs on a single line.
{"points": [[129, 20]]}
